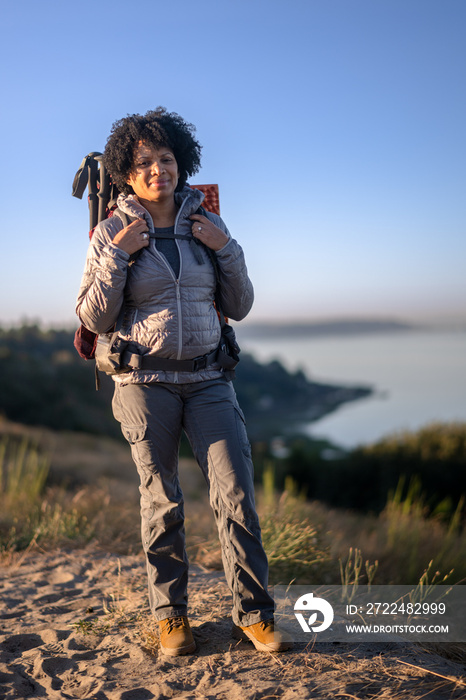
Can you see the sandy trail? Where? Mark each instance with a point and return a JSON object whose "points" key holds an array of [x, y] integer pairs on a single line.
{"points": [[75, 624]]}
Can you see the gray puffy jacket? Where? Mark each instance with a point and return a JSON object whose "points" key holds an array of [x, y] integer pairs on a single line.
{"points": [[163, 316]]}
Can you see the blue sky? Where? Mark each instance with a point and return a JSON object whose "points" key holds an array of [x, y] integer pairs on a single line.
{"points": [[334, 128]]}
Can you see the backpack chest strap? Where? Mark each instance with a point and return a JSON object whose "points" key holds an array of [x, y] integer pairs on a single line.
{"points": [[178, 236]]}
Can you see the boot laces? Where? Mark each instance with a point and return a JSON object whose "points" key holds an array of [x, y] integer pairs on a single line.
{"points": [[267, 623], [173, 622]]}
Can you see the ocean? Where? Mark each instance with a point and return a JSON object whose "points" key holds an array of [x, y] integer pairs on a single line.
{"points": [[418, 376]]}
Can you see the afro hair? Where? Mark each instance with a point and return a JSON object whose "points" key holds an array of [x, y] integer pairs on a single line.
{"points": [[157, 128]]}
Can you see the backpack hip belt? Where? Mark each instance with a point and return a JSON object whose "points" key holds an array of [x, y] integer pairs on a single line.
{"points": [[132, 361]]}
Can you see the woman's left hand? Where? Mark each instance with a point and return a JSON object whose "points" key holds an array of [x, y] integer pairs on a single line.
{"points": [[209, 234]]}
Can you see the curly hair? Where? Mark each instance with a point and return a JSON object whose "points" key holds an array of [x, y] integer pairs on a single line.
{"points": [[157, 128]]}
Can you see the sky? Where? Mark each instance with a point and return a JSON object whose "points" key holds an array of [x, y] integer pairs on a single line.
{"points": [[335, 130]]}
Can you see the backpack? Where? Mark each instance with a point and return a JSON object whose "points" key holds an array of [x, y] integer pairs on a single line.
{"points": [[102, 199]]}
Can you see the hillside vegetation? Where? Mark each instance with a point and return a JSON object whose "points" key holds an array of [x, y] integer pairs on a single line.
{"points": [[427, 464], [86, 491]]}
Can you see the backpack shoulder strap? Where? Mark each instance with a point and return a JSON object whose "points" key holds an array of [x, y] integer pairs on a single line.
{"points": [[214, 261], [126, 221]]}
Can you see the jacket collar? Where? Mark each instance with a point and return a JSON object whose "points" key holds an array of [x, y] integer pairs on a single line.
{"points": [[188, 201]]}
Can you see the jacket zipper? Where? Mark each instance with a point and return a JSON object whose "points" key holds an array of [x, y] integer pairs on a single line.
{"points": [[177, 290], [133, 323]]}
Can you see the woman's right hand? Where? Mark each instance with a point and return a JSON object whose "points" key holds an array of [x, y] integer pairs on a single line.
{"points": [[133, 237]]}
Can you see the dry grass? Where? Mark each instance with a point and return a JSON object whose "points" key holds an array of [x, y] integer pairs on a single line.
{"points": [[305, 541]]}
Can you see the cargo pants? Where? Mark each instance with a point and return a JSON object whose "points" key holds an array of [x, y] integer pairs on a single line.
{"points": [[152, 417]]}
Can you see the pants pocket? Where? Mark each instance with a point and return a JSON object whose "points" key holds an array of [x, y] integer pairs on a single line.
{"points": [[134, 433], [241, 431]]}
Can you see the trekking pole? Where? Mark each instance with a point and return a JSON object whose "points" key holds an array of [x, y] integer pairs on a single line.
{"points": [[93, 189], [104, 189], [87, 177]]}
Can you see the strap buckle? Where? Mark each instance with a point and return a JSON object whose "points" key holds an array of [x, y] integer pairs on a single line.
{"points": [[200, 363], [132, 361]]}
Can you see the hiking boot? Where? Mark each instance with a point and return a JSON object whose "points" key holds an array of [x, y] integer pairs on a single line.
{"points": [[176, 637], [265, 636]]}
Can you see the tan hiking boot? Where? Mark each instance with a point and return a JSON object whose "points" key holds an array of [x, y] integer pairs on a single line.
{"points": [[176, 637], [265, 636]]}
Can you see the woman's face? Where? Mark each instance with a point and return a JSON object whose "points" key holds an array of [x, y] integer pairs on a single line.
{"points": [[155, 173]]}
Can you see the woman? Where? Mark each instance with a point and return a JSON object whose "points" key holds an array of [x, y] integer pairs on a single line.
{"points": [[162, 303]]}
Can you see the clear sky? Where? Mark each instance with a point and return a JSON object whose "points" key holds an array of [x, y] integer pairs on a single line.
{"points": [[334, 128]]}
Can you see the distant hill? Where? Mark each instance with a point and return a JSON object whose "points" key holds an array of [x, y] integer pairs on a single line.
{"points": [[310, 329], [43, 381]]}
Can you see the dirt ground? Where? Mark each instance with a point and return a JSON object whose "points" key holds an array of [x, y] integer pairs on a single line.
{"points": [[75, 624]]}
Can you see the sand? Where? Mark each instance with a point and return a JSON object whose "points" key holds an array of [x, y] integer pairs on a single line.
{"points": [[75, 624]]}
